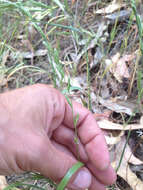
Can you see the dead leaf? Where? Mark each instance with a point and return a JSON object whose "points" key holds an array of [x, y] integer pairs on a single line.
{"points": [[29, 55], [124, 106], [110, 140], [117, 66], [112, 7], [3, 182], [124, 171], [106, 124], [119, 15]]}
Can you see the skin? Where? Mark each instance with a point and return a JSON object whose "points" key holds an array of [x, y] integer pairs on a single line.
{"points": [[37, 134]]}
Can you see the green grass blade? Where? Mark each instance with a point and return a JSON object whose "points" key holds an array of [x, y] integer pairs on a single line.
{"points": [[37, 4], [68, 175], [129, 133], [139, 24], [60, 5], [69, 101]]}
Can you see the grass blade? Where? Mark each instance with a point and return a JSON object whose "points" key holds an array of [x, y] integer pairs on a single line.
{"points": [[139, 24], [60, 5], [68, 175]]}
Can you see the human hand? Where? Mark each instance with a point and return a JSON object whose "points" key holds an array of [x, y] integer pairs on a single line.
{"points": [[37, 134]]}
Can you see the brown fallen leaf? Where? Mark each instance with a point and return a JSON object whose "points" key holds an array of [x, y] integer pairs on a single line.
{"points": [[117, 66], [112, 140], [124, 171], [106, 124], [29, 55], [119, 106], [113, 6], [3, 182]]}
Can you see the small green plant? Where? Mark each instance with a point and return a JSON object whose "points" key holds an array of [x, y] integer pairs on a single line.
{"points": [[75, 117], [78, 165]]}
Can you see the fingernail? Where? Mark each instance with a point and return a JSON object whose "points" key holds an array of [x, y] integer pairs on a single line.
{"points": [[82, 180]]}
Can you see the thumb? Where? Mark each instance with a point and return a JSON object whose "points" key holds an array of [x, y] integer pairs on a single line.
{"points": [[54, 164]]}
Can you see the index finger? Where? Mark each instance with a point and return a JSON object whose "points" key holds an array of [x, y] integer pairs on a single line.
{"points": [[89, 133]]}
